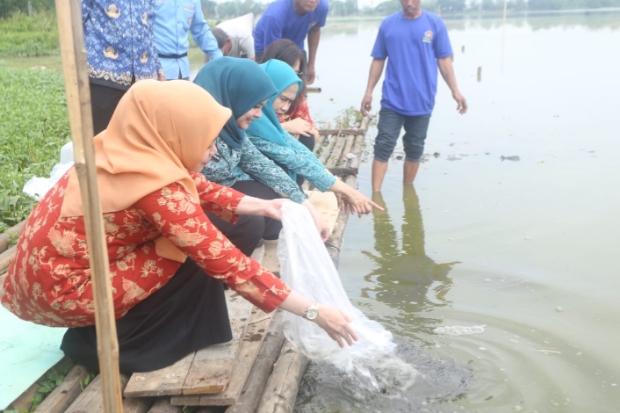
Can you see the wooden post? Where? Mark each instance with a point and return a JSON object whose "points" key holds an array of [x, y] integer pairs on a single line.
{"points": [[73, 53]]}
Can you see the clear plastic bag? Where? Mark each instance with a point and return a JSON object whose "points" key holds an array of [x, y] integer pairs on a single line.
{"points": [[307, 268]]}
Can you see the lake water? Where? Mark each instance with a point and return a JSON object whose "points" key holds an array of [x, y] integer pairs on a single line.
{"points": [[526, 248]]}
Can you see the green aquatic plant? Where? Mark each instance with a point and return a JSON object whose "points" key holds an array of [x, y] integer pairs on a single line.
{"points": [[348, 118], [34, 123], [45, 385]]}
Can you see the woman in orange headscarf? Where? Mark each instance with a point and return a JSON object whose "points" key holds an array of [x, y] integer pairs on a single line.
{"points": [[160, 242]]}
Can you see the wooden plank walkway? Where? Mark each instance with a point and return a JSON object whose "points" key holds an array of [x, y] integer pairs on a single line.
{"points": [[239, 374]]}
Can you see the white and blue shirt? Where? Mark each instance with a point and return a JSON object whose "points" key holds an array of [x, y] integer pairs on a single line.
{"points": [[174, 19], [119, 41]]}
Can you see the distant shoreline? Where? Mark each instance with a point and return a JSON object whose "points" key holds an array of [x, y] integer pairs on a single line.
{"points": [[486, 14]]}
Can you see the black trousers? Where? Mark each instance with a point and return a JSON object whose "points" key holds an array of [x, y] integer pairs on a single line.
{"points": [[104, 100], [186, 314], [308, 142], [250, 229]]}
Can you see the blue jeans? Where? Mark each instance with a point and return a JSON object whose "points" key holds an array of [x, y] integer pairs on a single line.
{"points": [[390, 124]]}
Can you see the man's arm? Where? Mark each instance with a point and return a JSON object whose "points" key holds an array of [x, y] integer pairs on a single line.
{"points": [[447, 72], [376, 68], [272, 31], [314, 35], [201, 32]]}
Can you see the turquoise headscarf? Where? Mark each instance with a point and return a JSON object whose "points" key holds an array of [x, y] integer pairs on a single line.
{"points": [[238, 84], [268, 126]]}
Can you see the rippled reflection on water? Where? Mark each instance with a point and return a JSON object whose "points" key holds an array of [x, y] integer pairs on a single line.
{"points": [[325, 389], [526, 248]]}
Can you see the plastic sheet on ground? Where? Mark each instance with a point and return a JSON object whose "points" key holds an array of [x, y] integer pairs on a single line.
{"points": [[37, 187], [27, 351]]}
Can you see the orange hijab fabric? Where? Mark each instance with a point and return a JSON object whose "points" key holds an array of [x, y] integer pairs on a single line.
{"points": [[158, 132]]}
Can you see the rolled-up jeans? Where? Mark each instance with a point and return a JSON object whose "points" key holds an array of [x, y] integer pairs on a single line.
{"points": [[389, 126]]}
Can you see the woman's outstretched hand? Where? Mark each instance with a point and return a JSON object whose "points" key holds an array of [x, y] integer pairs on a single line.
{"points": [[336, 325], [271, 208], [352, 200]]}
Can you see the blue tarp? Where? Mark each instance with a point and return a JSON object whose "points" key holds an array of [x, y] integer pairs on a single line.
{"points": [[27, 351]]}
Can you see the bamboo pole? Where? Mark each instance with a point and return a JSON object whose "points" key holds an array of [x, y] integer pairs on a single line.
{"points": [[73, 52]]}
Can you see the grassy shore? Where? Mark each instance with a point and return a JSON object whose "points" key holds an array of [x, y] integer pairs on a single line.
{"points": [[34, 123]]}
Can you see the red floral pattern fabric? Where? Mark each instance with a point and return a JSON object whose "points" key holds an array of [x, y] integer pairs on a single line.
{"points": [[302, 111], [49, 282]]}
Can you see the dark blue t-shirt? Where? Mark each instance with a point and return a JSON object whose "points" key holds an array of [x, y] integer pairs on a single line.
{"points": [[280, 21], [412, 47]]}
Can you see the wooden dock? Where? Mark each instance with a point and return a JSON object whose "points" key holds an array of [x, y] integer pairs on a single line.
{"points": [[258, 371]]}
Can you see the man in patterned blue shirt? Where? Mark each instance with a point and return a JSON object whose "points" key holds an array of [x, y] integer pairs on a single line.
{"points": [[121, 50], [175, 18]]}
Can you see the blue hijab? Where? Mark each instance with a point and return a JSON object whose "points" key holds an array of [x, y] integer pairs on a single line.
{"points": [[268, 126], [238, 84]]}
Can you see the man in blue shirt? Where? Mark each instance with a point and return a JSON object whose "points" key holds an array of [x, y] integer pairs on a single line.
{"points": [[293, 20], [415, 43], [174, 19]]}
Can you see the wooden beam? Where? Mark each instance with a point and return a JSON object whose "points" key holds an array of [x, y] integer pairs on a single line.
{"points": [[281, 390], [205, 371], [91, 401], [73, 52], [261, 370], [212, 367], [338, 132], [163, 405], [6, 258], [62, 396], [251, 343], [5, 237]]}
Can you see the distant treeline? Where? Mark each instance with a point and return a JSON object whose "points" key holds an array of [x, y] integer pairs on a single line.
{"points": [[447, 6], [232, 8]]}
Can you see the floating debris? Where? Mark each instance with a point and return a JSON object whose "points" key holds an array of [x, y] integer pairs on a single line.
{"points": [[510, 158], [559, 309], [548, 351], [436, 154], [453, 158], [459, 330]]}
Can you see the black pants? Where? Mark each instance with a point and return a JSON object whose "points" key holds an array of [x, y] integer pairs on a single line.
{"points": [[308, 142], [104, 100], [186, 314], [250, 229]]}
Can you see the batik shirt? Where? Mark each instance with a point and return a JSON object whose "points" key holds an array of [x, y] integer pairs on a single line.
{"points": [[120, 41], [302, 111], [296, 158], [246, 163], [49, 282]]}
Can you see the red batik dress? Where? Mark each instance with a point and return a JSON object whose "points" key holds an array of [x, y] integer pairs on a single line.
{"points": [[164, 309]]}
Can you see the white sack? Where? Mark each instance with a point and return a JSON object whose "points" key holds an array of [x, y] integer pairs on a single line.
{"points": [[307, 268]]}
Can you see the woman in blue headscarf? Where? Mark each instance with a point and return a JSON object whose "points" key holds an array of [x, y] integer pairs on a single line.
{"points": [[242, 86], [274, 142]]}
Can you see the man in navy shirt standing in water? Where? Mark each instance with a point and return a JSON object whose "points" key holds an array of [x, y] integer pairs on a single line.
{"points": [[293, 20], [415, 43]]}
